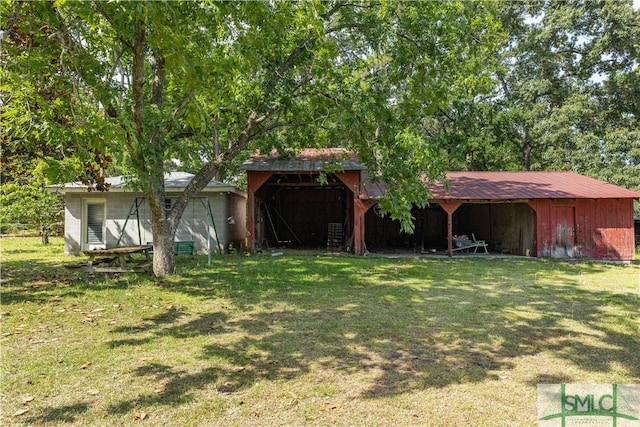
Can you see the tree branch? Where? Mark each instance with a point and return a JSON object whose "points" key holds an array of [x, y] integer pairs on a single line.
{"points": [[11, 21], [274, 126], [138, 92]]}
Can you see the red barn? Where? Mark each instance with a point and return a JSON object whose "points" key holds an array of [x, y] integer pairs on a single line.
{"points": [[319, 198]]}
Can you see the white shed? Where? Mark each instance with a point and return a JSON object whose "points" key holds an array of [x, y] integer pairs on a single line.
{"points": [[214, 219]]}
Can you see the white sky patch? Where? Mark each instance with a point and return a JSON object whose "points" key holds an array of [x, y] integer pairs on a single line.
{"points": [[636, 4]]}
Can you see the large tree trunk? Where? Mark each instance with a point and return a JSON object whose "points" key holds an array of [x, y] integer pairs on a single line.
{"points": [[164, 259], [44, 233], [163, 225], [164, 232], [149, 160], [526, 151]]}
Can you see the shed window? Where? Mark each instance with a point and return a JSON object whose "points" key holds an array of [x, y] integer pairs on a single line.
{"points": [[95, 222]]}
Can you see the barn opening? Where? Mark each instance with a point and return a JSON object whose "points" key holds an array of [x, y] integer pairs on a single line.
{"points": [[382, 233], [506, 227], [304, 210]]}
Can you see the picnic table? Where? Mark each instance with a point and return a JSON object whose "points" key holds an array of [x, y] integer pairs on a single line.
{"points": [[118, 259]]}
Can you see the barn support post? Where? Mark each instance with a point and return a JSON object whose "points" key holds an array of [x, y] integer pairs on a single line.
{"points": [[255, 180], [533, 204], [450, 208], [352, 180], [360, 208]]}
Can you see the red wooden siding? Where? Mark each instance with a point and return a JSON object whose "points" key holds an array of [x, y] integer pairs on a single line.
{"points": [[585, 228]]}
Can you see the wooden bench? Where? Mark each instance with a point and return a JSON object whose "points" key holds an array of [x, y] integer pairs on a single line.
{"points": [[181, 247]]}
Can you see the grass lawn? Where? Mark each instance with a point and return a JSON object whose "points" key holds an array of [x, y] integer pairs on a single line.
{"points": [[308, 339]]}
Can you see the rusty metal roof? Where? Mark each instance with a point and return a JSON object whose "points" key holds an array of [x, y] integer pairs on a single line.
{"points": [[307, 160], [460, 185], [517, 186]]}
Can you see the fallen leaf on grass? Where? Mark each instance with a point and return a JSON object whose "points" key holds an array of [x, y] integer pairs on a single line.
{"points": [[20, 412], [327, 407], [160, 389], [27, 399], [96, 310], [93, 392], [86, 365], [146, 359], [141, 415], [227, 387]]}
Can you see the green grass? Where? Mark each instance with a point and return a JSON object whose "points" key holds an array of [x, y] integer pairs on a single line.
{"points": [[308, 339]]}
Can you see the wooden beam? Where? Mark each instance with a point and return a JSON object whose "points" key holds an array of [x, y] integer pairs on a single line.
{"points": [[450, 208], [255, 180]]}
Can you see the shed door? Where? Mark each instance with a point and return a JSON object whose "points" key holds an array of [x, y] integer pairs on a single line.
{"points": [[94, 224], [564, 234]]}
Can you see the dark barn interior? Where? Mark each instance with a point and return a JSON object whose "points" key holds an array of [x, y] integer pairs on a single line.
{"points": [[311, 211], [382, 233], [506, 227], [300, 211]]}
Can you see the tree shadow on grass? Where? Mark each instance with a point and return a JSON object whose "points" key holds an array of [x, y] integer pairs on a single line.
{"points": [[59, 415], [41, 281], [405, 325]]}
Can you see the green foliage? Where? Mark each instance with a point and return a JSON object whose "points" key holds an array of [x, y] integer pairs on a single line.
{"points": [[210, 83], [31, 206], [569, 79], [413, 87]]}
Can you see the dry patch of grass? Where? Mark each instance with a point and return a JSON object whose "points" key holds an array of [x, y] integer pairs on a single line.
{"points": [[308, 339]]}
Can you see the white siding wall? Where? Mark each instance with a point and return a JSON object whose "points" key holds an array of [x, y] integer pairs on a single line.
{"points": [[72, 223], [195, 223]]}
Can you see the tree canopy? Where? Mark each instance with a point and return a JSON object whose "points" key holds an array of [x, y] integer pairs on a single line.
{"points": [[207, 83], [414, 88]]}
